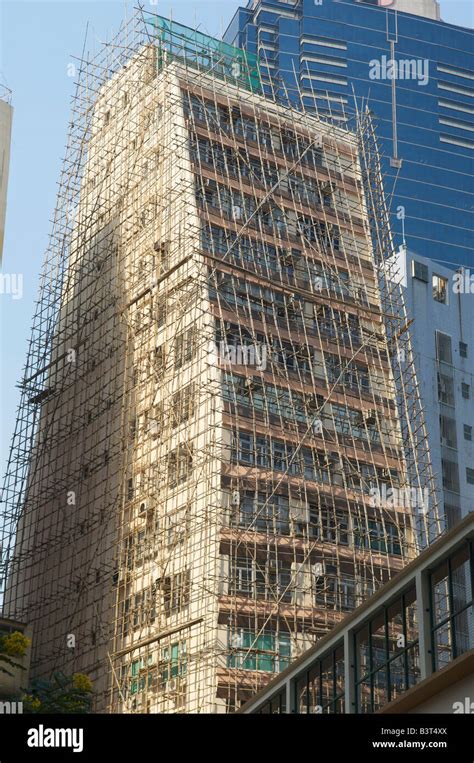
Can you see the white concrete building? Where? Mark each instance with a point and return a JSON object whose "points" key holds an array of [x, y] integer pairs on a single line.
{"points": [[440, 302]]}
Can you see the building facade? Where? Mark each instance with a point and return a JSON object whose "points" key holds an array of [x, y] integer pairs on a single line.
{"points": [[440, 305], [416, 75], [216, 410]]}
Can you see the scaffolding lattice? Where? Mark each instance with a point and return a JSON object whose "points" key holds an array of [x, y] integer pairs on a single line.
{"points": [[220, 445]]}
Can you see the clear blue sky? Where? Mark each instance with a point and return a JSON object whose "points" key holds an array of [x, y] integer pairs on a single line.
{"points": [[37, 40]]}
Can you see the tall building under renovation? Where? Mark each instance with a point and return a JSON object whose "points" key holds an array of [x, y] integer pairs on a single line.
{"points": [[218, 448], [416, 74]]}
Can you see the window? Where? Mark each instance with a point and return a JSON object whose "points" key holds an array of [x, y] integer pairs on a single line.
{"points": [[184, 347], [451, 597], [280, 460], [140, 676], [450, 475], [161, 306], [275, 706], [467, 432], [143, 607], [262, 514], [334, 527], [378, 536], [177, 526], [241, 576], [440, 289], [348, 588], [180, 464], [125, 615], [176, 590], [387, 654], [157, 361], [173, 662], [466, 391], [321, 688], [336, 589], [453, 514], [463, 349], [243, 448], [266, 651], [273, 579], [470, 476], [349, 373], [448, 431], [443, 348], [182, 405], [445, 389]]}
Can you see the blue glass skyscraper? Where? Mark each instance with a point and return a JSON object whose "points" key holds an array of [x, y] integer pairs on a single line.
{"points": [[415, 73]]}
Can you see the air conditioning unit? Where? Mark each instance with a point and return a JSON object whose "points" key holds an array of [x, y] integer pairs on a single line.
{"points": [[172, 685], [299, 511], [154, 428], [318, 569], [301, 575], [145, 506], [419, 271], [317, 426], [123, 574]]}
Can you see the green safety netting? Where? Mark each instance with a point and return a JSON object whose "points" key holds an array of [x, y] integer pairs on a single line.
{"points": [[193, 48]]}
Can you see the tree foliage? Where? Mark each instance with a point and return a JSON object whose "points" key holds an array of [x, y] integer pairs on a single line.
{"points": [[61, 694], [12, 645]]}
